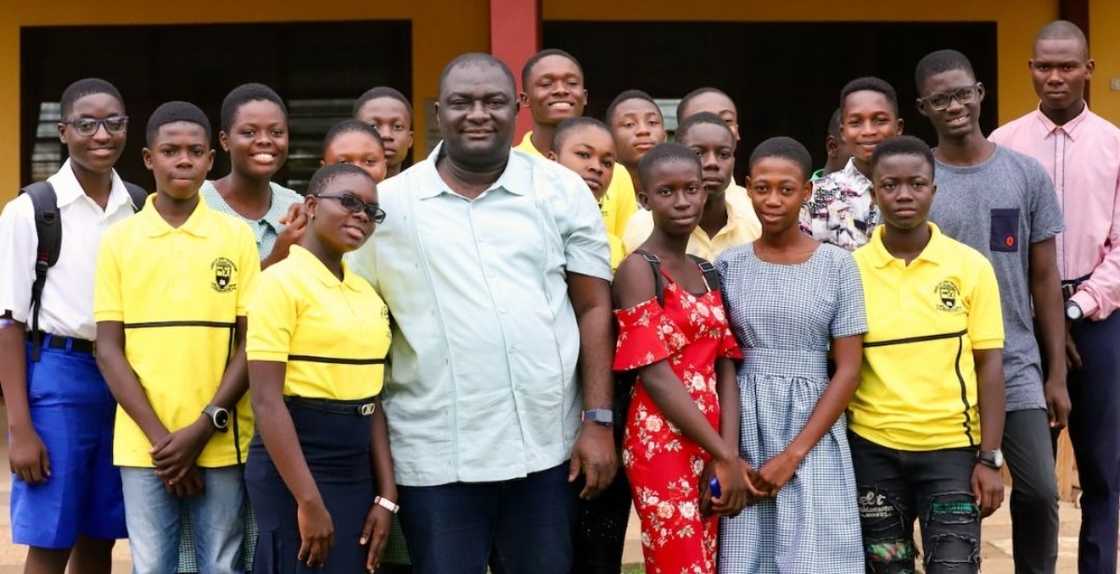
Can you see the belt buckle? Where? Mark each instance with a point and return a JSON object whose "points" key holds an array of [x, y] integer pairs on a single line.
{"points": [[367, 409]]}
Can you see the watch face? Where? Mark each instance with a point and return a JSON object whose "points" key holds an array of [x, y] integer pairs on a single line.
{"points": [[221, 419]]}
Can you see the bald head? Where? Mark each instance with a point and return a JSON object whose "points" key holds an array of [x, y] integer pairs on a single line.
{"points": [[1063, 30]]}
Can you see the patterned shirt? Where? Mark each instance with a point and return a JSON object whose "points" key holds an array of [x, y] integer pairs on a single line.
{"points": [[841, 211]]}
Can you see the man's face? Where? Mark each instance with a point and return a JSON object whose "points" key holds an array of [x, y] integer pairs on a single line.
{"points": [[555, 90], [179, 158], [903, 189], [951, 100], [99, 150], [637, 127], [393, 123], [1059, 71], [476, 112], [715, 147], [867, 119]]}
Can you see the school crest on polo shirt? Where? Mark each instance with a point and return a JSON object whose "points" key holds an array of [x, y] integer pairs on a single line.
{"points": [[948, 296], [225, 273]]}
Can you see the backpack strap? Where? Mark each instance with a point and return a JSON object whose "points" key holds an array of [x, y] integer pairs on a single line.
{"points": [[48, 228], [711, 275], [655, 266], [137, 194]]}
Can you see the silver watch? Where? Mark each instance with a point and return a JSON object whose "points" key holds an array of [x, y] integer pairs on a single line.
{"points": [[604, 417]]}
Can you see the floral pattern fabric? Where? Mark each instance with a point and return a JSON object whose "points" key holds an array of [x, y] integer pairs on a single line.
{"points": [[664, 466], [841, 211]]}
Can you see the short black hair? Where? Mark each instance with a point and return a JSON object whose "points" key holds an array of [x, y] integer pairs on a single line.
{"points": [[328, 173], [245, 93], [1064, 30], [902, 145], [86, 87], [626, 96], [701, 118], [176, 111], [566, 127], [663, 153], [870, 84], [379, 92], [940, 61], [687, 99], [532, 61], [348, 126], [785, 148], [834, 123], [477, 59]]}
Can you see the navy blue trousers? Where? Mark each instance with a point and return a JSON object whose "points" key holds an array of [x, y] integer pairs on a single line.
{"points": [[515, 526], [1094, 429]]}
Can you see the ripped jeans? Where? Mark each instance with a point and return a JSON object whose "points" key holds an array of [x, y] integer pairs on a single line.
{"points": [[896, 487]]}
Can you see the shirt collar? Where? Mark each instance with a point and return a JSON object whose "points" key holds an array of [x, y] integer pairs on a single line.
{"points": [[934, 251], [515, 179], [311, 264], [851, 170], [527, 146], [154, 224], [1070, 128], [68, 190]]}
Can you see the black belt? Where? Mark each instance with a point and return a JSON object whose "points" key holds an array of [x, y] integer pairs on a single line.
{"points": [[71, 344], [1070, 286], [360, 407]]}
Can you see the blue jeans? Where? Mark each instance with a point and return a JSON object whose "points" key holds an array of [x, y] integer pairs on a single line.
{"points": [[520, 525], [152, 515]]}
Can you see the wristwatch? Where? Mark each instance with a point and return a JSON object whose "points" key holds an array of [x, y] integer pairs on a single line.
{"points": [[990, 458], [386, 504], [219, 417], [604, 417], [1073, 311]]}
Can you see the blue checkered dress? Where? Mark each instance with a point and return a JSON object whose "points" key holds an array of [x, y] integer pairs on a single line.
{"points": [[785, 317]]}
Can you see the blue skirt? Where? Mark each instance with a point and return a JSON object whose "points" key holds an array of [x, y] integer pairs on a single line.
{"points": [[337, 449]]}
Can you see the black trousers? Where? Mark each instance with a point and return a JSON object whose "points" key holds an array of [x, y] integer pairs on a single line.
{"points": [[897, 487]]}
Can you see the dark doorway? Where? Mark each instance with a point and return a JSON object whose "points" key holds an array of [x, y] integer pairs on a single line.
{"points": [[318, 68], [785, 77]]}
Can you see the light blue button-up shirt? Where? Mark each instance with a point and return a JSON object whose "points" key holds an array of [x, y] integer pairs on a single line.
{"points": [[265, 229], [483, 385]]}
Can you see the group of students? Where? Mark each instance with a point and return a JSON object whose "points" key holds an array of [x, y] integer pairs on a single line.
{"points": [[804, 366]]}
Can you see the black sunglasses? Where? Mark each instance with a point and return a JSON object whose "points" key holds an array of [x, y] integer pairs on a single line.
{"points": [[352, 204]]}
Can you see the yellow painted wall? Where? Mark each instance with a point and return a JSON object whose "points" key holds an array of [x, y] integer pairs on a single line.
{"points": [[1104, 47], [441, 30], [1017, 23]]}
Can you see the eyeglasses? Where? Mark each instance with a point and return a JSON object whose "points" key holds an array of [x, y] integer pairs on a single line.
{"points": [[354, 205], [89, 126], [940, 102]]}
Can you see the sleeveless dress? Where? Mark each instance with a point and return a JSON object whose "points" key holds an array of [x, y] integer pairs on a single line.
{"points": [[786, 317], [663, 466]]}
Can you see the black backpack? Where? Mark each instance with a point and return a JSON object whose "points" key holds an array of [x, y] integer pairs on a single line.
{"points": [[48, 227]]}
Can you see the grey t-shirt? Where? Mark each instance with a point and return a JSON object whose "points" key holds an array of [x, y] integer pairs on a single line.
{"points": [[1000, 207]]}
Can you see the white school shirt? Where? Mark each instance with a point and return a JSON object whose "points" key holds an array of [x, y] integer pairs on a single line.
{"points": [[68, 294]]}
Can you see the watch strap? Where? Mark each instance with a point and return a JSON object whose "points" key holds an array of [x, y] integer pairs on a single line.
{"points": [[603, 417], [387, 504]]}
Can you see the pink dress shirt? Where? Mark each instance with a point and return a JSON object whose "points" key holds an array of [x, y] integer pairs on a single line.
{"points": [[1083, 159]]}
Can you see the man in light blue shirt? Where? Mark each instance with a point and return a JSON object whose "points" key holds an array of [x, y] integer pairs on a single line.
{"points": [[495, 267]]}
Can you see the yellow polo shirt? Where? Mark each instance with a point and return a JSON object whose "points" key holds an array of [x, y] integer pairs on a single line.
{"points": [[617, 205], [178, 292], [917, 388], [332, 334], [742, 227]]}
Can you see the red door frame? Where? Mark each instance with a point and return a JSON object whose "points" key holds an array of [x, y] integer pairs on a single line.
{"points": [[515, 35]]}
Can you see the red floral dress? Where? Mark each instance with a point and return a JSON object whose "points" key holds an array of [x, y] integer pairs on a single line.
{"points": [[664, 466]]}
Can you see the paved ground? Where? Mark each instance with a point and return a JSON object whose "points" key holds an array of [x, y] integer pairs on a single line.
{"points": [[996, 535]]}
